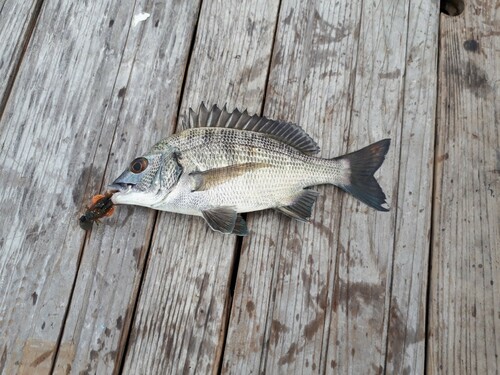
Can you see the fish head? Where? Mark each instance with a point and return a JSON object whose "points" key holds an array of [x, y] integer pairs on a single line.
{"points": [[148, 179]]}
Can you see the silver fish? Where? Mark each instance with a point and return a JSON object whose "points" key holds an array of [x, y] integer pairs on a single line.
{"points": [[225, 163]]}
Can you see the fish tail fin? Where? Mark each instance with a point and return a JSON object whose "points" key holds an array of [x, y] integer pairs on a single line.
{"points": [[360, 167]]}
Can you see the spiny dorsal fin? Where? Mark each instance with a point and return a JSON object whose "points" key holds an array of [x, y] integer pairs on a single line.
{"points": [[213, 177], [301, 208], [285, 132]]}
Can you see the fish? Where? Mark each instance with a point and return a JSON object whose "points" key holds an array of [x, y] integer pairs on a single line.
{"points": [[221, 164], [101, 206]]}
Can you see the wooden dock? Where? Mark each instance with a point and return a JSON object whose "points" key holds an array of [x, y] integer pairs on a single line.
{"points": [[88, 85]]}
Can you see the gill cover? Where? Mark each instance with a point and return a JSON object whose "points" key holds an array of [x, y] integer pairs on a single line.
{"points": [[153, 173]]}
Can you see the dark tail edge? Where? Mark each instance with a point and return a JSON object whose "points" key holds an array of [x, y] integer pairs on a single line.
{"points": [[363, 164]]}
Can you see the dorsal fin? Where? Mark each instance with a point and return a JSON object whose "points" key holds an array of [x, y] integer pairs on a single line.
{"points": [[285, 132]]}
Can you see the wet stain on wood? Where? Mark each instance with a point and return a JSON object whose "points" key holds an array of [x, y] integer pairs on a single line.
{"points": [[276, 330], [80, 185], [289, 357], [42, 357], [390, 75], [34, 297], [400, 333], [37, 354], [442, 158], [136, 253], [121, 92], [471, 45], [250, 306], [314, 325], [119, 323], [474, 78]]}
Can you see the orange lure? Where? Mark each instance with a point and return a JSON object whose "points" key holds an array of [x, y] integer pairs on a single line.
{"points": [[101, 206]]}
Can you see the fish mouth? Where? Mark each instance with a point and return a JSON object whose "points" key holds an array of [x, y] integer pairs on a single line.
{"points": [[120, 187]]}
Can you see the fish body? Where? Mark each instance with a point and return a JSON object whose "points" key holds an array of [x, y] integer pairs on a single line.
{"points": [[226, 163]]}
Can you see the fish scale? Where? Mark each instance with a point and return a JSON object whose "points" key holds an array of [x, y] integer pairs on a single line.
{"points": [[226, 163], [289, 170]]}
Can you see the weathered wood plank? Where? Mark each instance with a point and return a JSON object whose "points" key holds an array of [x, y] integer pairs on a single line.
{"points": [[307, 310], [181, 315], [464, 326], [408, 305], [17, 19], [144, 105], [359, 327], [285, 277], [51, 129]]}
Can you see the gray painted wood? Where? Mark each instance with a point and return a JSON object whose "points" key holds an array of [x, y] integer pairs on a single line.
{"points": [[283, 287], [344, 293], [310, 296], [183, 306], [408, 305], [17, 19], [464, 326], [51, 131], [359, 329], [143, 109]]}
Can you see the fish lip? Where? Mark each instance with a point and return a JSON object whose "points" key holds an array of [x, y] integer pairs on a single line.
{"points": [[120, 187]]}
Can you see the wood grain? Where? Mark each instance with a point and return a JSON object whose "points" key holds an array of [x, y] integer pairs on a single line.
{"points": [[363, 289], [282, 295], [181, 314], [310, 296], [50, 133], [464, 326], [142, 110], [408, 305], [17, 19], [86, 89]]}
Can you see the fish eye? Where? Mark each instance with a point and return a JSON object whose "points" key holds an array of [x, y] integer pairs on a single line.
{"points": [[138, 165]]}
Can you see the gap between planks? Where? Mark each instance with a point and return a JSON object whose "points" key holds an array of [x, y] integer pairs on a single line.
{"points": [[125, 337], [238, 246], [428, 291], [239, 241], [119, 369], [398, 179], [86, 241], [24, 46]]}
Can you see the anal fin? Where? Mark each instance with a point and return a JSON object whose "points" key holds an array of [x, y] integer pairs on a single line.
{"points": [[301, 208]]}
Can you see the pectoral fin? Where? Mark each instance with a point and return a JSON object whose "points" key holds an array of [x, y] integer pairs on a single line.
{"points": [[301, 208], [221, 219], [213, 177]]}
